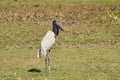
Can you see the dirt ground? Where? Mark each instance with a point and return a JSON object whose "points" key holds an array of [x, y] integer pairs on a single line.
{"points": [[70, 14]]}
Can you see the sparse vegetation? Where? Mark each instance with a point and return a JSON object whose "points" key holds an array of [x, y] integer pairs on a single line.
{"points": [[87, 50]]}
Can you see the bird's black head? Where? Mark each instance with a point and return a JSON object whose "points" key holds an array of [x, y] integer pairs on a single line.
{"points": [[54, 21], [56, 27]]}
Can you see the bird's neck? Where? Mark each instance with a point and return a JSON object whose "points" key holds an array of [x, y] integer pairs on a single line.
{"points": [[55, 30]]}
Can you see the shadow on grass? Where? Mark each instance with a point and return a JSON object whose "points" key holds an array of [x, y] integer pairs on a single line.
{"points": [[34, 70]]}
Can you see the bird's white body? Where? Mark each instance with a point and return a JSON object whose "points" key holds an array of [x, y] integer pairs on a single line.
{"points": [[46, 43]]}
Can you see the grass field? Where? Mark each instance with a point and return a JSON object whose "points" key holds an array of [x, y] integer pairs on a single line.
{"points": [[66, 64], [89, 49]]}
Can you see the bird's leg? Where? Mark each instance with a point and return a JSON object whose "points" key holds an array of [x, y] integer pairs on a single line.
{"points": [[39, 53], [48, 64], [49, 61]]}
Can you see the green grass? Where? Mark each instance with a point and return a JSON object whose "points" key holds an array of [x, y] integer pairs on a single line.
{"points": [[91, 35], [100, 63], [16, 35], [28, 3], [108, 1], [29, 35], [74, 59], [103, 1]]}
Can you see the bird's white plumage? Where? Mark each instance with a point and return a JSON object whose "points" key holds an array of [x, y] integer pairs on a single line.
{"points": [[47, 42]]}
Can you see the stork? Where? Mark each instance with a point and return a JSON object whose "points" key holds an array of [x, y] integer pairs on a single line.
{"points": [[47, 42]]}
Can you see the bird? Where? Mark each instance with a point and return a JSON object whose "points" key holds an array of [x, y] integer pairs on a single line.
{"points": [[47, 42]]}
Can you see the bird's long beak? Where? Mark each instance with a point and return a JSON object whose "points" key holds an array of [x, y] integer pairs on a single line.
{"points": [[61, 28]]}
